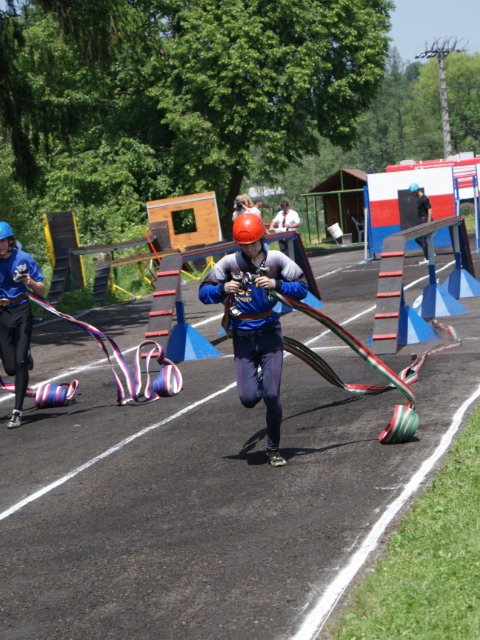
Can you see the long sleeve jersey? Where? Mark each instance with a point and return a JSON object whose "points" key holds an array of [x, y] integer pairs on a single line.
{"points": [[251, 300]]}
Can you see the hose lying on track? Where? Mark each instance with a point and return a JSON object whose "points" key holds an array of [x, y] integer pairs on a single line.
{"points": [[405, 420], [167, 383]]}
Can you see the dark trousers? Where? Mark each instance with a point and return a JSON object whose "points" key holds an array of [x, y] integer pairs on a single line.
{"points": [[16, 324], [252, 350], [423, 241]]}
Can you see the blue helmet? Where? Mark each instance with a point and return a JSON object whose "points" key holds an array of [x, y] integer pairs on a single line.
{"points": [[413, 187], [6, 230]]}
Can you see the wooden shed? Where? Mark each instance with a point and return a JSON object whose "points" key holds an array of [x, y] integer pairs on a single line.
{"points": [[341, 195]]}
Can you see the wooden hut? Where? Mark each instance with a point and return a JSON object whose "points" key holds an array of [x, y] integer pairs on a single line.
{"points": [[341, 197]]}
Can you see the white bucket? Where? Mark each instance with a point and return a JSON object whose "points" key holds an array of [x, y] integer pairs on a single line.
{"points": [[335, 231]]}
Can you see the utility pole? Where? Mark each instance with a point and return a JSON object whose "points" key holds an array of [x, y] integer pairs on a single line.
{"points": [[440, 50]]}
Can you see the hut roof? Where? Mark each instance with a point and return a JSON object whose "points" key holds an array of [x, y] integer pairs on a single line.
{"points": [[343, 179]]}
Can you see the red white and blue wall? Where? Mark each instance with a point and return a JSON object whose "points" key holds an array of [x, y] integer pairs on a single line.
{"points": [[391, 208]]}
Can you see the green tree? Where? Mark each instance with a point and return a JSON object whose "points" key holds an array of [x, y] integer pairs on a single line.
{"points": [[17, 116], [93, 32], [242, 74], [96, 154], [134, 99]]}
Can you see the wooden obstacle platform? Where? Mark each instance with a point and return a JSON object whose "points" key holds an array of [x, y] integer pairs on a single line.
{"points": [[103, 268], [191, 220], [164, 301], [62, 236]]}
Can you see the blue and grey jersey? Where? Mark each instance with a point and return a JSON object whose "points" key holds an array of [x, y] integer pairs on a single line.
{"points": [[251, 299]]}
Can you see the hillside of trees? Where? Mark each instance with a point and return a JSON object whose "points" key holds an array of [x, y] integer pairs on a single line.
{"points": [[106, 104]]}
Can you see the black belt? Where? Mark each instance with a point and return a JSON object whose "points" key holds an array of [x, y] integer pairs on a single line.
{"points": [[6, 302], [270, 327], [255, 316]]}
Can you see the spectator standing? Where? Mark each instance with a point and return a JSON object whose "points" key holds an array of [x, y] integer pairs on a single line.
{"points": [[286, 220], [424, 210], [259, 202], [244, 204]]}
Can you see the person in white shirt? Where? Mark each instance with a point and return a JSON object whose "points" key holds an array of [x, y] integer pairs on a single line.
{"points": [[286, 220], [244, 204]]}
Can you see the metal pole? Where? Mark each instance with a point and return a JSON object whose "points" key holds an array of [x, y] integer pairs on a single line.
{"points": [[316, 218], [307, 219], [447, 141], [440, 50], [475, 204], [457, 196]]}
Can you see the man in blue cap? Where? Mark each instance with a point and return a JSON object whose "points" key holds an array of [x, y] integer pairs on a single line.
{"points": [[424, 209]]}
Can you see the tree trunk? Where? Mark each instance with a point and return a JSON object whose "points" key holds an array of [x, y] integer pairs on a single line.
{"points": [[233, 192]]}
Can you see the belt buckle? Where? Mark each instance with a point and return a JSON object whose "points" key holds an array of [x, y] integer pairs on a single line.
{"points": [[4, 302]]}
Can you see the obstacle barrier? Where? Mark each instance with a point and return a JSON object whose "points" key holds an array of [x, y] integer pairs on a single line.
{"points": [[66, 255], [182, 341], [61, 234], [103, 267], [396, 324]]}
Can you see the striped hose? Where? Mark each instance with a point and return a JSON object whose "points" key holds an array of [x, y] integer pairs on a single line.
{"points": [[404, 423], [167, 383]]}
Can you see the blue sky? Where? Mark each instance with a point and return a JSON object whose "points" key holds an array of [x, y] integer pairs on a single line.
{"points": [[415, 22]]}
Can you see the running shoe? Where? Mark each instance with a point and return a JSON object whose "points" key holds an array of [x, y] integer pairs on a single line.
{"points": [[275, 459], [16, 420]]}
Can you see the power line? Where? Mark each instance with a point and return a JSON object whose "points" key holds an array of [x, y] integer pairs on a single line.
{"points": [[440, 49]]}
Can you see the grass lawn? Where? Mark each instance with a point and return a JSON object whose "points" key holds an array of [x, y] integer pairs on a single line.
{"points": [[426, 586]]}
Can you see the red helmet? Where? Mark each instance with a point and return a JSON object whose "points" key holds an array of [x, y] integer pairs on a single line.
{"points": [[247, 228]]}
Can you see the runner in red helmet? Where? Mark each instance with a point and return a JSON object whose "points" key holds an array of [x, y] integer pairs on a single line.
{"points": [[242, 281]]}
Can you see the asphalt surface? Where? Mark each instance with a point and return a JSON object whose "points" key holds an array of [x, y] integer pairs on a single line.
{"points": [[162, 521]]}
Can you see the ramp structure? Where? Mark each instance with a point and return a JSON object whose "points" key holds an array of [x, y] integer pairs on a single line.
{"points": [[182, 341], [164, 299], [396, 324], [66, 256], [62, 236]]}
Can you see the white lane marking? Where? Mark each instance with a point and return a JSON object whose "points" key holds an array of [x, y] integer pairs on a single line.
{"points": [[212, 319], [332, 273], [41, 492], [316, 619]]}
